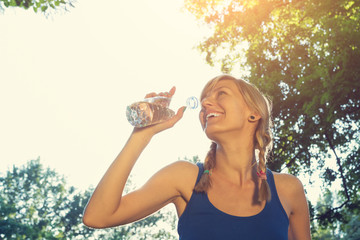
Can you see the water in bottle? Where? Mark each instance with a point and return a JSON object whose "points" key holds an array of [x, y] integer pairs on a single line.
{"points": [[153, 110], [149, 111]]}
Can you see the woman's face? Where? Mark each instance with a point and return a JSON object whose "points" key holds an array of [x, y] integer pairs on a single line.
{"points": [[223, 110]]}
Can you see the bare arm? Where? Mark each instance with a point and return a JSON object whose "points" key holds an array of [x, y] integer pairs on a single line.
{"points": [[107, 207]]}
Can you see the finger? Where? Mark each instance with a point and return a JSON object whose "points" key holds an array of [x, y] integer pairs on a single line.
{"points": [[172, 91], [149, 95], [168, 94]]}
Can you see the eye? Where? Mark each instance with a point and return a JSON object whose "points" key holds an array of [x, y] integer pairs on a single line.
{"points": [[220, 93]]}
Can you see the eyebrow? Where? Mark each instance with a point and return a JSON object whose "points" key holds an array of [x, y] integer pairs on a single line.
{"points": [[221, 87]]}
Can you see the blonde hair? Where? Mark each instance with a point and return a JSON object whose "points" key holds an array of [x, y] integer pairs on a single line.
{"points": [[260, 104]]}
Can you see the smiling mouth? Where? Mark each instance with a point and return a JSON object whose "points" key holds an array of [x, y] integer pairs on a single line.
{"points": [[212, 115]]}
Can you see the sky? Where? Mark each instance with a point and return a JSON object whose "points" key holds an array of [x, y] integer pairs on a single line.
{"points": [[66, 80]]}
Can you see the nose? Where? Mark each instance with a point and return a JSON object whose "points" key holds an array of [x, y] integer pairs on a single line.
{"points": [[206, 102]]}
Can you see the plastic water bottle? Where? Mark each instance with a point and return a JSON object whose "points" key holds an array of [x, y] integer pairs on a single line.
{"points": [[153, 110]]}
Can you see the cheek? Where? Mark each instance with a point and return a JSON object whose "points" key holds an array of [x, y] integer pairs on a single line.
{"points": [[201, 118], [241, 112]]}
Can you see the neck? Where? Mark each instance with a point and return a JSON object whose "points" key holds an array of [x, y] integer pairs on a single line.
{"points": [[236, 161]]}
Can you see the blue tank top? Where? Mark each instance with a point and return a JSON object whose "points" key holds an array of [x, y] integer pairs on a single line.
{"points": [[202, 220]]}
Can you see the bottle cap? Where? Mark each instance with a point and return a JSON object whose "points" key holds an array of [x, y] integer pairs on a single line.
{"points": [[192, 102]]}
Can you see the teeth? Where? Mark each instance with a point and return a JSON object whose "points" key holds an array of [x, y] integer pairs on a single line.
{"points": [[212, 115]]}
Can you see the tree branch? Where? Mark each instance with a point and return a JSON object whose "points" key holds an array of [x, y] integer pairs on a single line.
{"points": [[338, 161]]}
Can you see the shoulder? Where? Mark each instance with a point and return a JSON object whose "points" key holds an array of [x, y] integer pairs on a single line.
{"points": [[289, 188], [287, 181], [175, 174], [292, 196], [182, 167], [176, 179], [183, 175], [182, 172]]}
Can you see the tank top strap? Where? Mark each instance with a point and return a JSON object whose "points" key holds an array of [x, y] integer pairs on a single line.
{"points": [[274, 195], [271, 182], [201, 170]]}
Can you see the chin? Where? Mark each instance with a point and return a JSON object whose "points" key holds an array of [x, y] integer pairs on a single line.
{"points": [[216, 132], [212, 132]]}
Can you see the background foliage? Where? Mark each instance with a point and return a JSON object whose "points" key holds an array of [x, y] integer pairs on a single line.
{"points": [[44, 6], [35, 203]]}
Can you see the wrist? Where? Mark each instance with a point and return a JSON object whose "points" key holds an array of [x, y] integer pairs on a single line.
{"points": [[142, 134]]}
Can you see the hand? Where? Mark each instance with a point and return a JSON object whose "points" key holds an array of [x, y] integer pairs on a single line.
{"points": [[164, 94], [154, 129]]}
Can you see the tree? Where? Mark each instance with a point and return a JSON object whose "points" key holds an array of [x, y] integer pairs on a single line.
{"points": [[35, 203], [304, 54], [325, 228], [339, 226], [352, 228], [38, 5]]}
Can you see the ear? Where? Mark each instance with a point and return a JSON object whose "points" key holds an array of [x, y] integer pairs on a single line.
{"points": [[254, 117]]}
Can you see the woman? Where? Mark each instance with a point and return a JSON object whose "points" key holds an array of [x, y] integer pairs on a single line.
{"points": [[231, 196]]}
